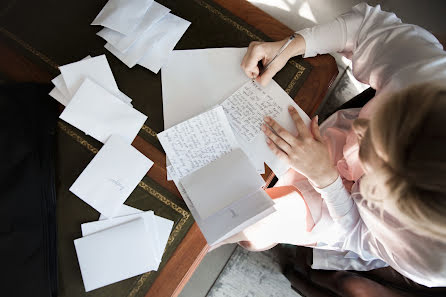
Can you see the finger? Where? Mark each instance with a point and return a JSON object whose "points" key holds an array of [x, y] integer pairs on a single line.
{"points": [[278, 141], [268, 75], [315, 129], [276, 151], [300, 125], [287, 136], [249, 64]]}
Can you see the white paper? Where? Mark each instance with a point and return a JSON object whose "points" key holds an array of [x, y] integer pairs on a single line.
{"points": [[156, 56], [114, 254], [247, 108], [122, 16], [197, 142], [100, 114], [56, 94], [232, 219], [124, 210], [95, 68], [188, 93], [111, 176], [167, 29], [162, 226], [123, 42], [60, 85], [221, 183], [149, 221]]}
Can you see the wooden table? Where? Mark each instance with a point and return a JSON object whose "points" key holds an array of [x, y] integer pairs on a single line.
{"points": [[193, 248]]}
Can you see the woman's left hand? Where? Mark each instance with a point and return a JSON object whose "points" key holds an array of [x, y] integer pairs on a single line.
{"points": [[307, 152]]}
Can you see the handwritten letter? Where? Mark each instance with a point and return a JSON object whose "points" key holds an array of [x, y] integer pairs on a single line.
{"points": [[197, 142], [246, 109]]}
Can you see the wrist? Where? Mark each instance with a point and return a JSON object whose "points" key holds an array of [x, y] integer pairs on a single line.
{"points": [[296, 47], [324, 180]]}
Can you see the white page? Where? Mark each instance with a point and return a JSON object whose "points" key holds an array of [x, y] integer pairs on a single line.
{"points": [[95, 68], [275, 102], [111, 176], [124, 210], [100, 114], [232, 219], [196, 142], [156, 56], [149, 220], [123, 42], [233, 173], [163, 228], [216, 75], [60, 85], [114, 254], [122, 15], [169, 25]]}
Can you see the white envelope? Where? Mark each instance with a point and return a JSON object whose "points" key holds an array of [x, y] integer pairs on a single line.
{"points": [[100, 114], [123, 42], [157, 56], [111, 176], [114, 254], [122, 15], [158, 227], [170, 25]]}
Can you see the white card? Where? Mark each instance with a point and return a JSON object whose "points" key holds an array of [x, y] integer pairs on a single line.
{"points": [[123, 42], [122, 16], [232, 172], [111, 176], [114, 254], [100, 114], [195, 143], [170, 26]]}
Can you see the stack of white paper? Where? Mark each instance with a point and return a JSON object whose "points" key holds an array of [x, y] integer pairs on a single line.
{"points": [[115, 249], [140, 32]]}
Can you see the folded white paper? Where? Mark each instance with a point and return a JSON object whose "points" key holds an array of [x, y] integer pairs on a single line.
{"points": [[197, 142], [123, 42], [232, 172], [111, 176], [122, 15], [100, 114], [170, 29], [114, 254]]}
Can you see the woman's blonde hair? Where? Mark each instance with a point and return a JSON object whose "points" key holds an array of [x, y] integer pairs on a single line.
{"points": [[407, 135]]}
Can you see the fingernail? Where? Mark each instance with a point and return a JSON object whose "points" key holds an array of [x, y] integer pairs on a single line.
{"points": [[317, 118], [290, 108], [267, 119], [263, 128], [268, 141]]}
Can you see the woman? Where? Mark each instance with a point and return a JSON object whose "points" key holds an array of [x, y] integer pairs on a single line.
{"points": [[373, 180]]}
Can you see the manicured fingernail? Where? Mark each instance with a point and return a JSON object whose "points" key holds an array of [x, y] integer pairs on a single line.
{"points": [[290, 108], [267, 119], [317, 118]]}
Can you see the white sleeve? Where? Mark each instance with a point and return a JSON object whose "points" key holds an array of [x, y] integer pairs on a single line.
{"points": [[381, 47]]}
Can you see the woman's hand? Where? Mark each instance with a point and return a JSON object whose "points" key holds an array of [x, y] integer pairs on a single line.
{"points": [[307, 153], [264, 51]]}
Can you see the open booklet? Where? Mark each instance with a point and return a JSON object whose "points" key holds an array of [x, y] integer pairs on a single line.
{"points": [[216, 178]]}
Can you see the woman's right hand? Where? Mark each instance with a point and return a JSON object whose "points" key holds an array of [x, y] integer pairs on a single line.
{"points": [[264, 51]]}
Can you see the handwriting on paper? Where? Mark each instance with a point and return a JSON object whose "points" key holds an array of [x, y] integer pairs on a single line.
{"points": [[246, 109], [197, 142]]}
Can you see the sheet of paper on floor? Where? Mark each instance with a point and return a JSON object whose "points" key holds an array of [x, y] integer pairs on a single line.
{"points": [[123, 42], [115, 254], [122, 16], [100, 114], [111, 176], [197, 142]]}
